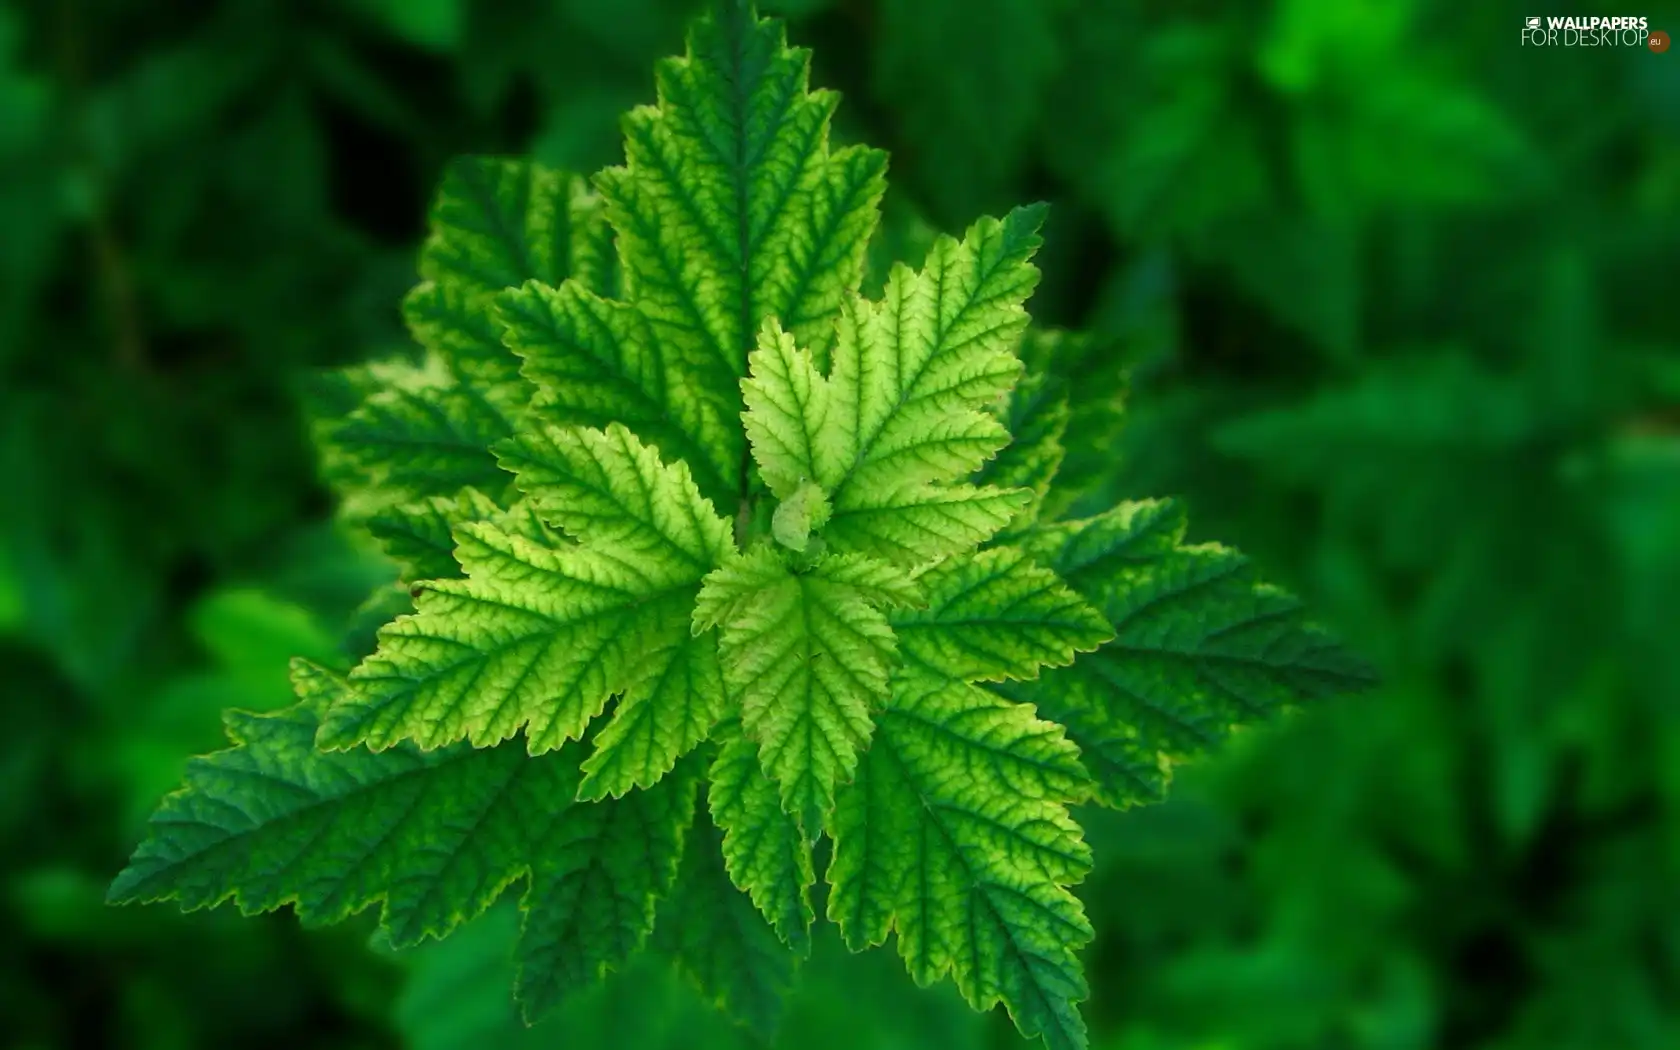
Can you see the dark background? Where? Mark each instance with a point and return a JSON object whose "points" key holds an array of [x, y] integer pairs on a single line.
{"points": [[1395, 300]]}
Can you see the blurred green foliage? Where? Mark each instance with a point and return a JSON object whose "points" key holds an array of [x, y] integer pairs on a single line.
{"points": [[1392, 297]]}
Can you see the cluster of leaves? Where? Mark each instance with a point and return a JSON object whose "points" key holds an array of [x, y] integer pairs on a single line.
{"points": [[660, 455]]}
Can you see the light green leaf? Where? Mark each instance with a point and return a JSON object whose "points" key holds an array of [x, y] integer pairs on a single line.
{"points": [[804, 436], [542, 632], [609, 490], [795, 517], [914, 374], [908, 410], [805, 653], [787, 416], [970, 868], [665, 713], [916, 524]]}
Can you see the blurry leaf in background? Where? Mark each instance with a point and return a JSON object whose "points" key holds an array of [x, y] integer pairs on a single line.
{"points": [[83, 582], [967, 126], [250, 638], [31, 207], [794, 10], [456, 998], [247, 632], [1384, 120], [1644, 514], [11, 597], [432, 24], [1147, 122]]}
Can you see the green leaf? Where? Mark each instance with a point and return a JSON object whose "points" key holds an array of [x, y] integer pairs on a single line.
{"points": [[540, 634], [419, 536], [916, 524], [973, 119], [595, 361], [610, 491], [995, 616], [731, 209], [249, 631], [766, 853], [956, 835], [908, 410], [665, 713], [913, 376], [1074, 415], [596, 881], [913, 373], [788, 416], [432, 24], [660, 460], [721, 942], [432, 836], [798, 515], [1036, 416], [331, 833], [1200, 646], [417, 431], [806, 653], [416, 434], [495, 225]]}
